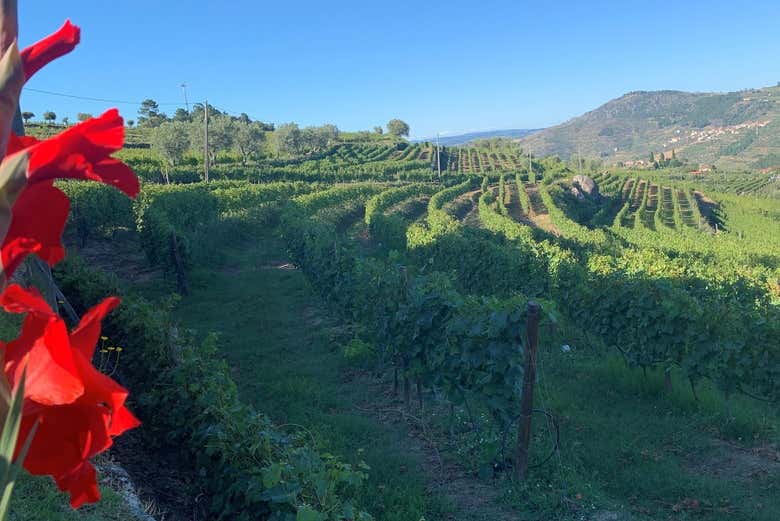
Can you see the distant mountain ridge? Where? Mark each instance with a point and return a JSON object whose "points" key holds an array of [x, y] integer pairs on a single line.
{"points": [[733, 130], [461, 139]]}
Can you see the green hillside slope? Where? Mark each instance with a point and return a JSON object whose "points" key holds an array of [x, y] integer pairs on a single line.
{"points": [[731, 130]]}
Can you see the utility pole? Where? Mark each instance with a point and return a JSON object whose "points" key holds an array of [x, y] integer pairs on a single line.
{"points": [[438, 156], [184, 89], [206, 141]]}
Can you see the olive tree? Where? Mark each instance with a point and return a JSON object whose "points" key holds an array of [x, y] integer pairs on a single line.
{"points": [[248, 139], [221, 132], [396, 127], [171, 140], [288, 139], [316, 139]]}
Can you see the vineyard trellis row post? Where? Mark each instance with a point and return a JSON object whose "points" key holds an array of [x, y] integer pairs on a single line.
{"points": [[527, 398]]}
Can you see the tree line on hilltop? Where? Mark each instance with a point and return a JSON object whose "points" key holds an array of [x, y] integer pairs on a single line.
{"points": [[173, 136]]}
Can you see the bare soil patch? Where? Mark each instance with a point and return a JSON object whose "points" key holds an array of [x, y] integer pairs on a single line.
{"points": [[513, 207], [120, 255], [539, 216], [735, 463], [160, 478], [708, 209]]}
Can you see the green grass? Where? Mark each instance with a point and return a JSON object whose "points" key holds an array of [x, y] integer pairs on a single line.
{"points": [[279, 342], [630, 447], [37, 498]]}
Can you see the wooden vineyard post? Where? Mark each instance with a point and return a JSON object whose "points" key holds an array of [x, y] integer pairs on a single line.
{"points": [[527, 399], [181, 275], [407, 384]]}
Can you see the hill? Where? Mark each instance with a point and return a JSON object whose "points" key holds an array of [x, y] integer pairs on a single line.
{"points": [[733, 130], [460, 139]]}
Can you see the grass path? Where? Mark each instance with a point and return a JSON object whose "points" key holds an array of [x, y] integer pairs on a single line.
{"points": [[280, 344]]}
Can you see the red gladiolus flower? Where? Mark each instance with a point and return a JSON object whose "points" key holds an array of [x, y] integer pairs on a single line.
{"points": [[50, 48], [38, 209], [77, 408], [82, 151]]}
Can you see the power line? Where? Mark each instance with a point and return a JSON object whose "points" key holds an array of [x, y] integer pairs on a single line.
{"points": [[87, 98], [225, 111], [124, 102]]}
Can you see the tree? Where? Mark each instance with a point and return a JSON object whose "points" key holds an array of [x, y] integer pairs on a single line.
{"points": [[27, 116], [396, 127], [244, 118], [148, 109], [149, 114], [248, 139], [83, 116], [181, 115], [315, 139], [652, 157], [378, 130], [65, 121], [171, 140], [197, 112], [130, 123], [330, 133], [49, 116], [311, 139], [287, 138], [221, 131]]}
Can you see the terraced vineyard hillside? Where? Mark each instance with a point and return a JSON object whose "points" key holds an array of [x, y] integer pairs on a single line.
{"points": [[371, 300]]}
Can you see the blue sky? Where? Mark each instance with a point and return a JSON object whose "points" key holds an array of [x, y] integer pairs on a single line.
{"points": [[445, 67]]}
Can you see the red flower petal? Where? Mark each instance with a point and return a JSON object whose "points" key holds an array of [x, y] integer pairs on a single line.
{"points": [[37, 223], [121, 421], [68, 436], [16, 299], [64, 439], [81, 484], [43, 349], [17, 143], [50, 48], [83, 152], [84, 338]]}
